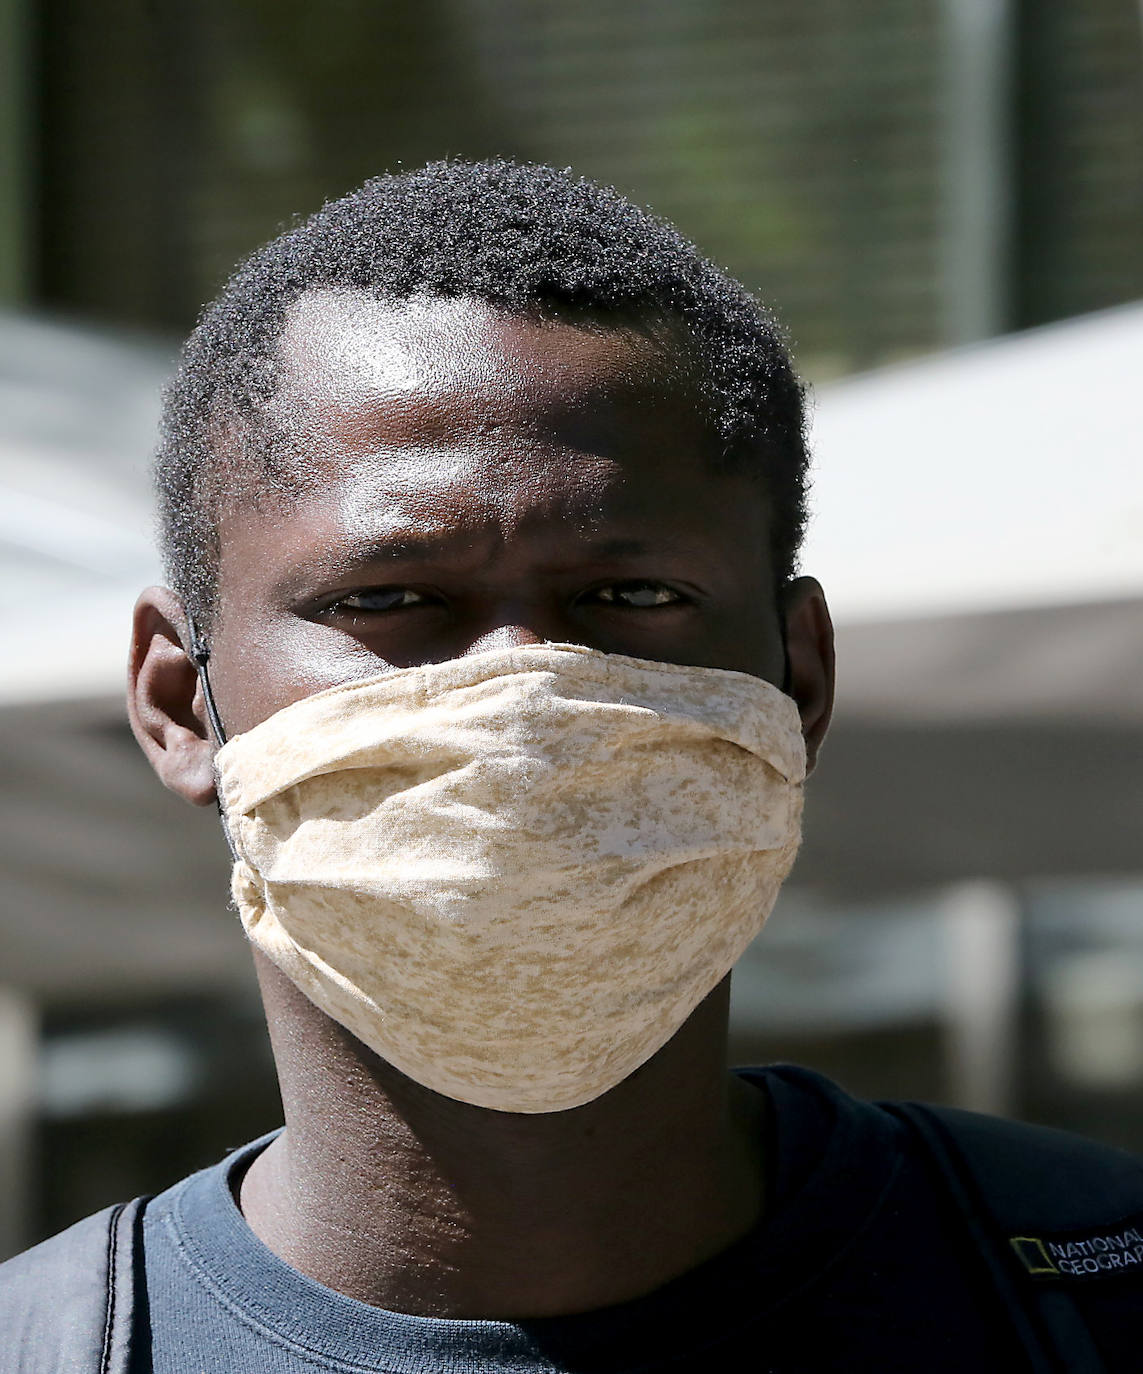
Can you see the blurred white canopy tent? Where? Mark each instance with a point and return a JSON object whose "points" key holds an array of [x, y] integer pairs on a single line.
{"points": [[78, 412], [1003, 475], [977, 529], [108, 884]]}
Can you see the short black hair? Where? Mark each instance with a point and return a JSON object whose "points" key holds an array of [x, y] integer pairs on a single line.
{"points": [[519, 236]]}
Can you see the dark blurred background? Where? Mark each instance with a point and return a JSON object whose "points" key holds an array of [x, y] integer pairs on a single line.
{"points": [[812, 149], [906, 181]]}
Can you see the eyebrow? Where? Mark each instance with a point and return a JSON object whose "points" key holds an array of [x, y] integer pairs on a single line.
{"points": [[400, 546], [349, 555], [411, 546], [408, 546]]}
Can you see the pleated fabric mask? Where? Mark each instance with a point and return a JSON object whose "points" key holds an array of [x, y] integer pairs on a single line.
{"points": [[514, 875]]}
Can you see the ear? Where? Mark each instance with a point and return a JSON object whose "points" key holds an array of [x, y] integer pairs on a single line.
{"points": [[164, 699], [809, 648]]}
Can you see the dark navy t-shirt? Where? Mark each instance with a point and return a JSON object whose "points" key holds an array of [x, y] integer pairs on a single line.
{"points": [[857, 1265]]}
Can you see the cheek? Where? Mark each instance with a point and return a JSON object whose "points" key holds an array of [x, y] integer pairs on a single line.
{"points": [[261, 664], [260, 661], [754, 643], [262, 657]]}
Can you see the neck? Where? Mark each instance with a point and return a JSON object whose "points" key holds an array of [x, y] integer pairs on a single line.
{"points": [[399, 1197]]}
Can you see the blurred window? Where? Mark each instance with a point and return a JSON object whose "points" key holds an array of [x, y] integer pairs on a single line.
{"points": [[815, 150]]}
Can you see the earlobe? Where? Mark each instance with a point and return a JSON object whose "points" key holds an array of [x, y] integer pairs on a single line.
{"points": [[810, 655], [164, 699]]}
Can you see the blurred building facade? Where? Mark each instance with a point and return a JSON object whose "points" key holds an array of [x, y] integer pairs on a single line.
{"points": [[894, 175], [896, 178]]}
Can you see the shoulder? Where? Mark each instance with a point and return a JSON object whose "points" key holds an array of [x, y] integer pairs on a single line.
{"points": [[1018, 1172], [57, 1292], [81, 1244], [1025, 1171], [1052, 1221], [1012, 1145], [61, 1301]]}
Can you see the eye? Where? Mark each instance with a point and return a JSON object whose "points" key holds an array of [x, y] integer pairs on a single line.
{"points": [[378, 599], [638, 596]]}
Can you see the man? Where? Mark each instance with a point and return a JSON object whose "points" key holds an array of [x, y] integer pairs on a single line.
{"points": [[481, 493]]}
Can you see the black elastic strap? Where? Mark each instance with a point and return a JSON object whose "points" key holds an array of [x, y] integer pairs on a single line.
{"points": [[200, 657]]}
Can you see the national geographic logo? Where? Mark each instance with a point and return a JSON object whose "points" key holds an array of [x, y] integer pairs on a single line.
{"points": [[1095, 1255]]}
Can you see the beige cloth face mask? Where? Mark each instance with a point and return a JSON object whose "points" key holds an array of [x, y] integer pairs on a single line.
{"points": [[514, 875]]}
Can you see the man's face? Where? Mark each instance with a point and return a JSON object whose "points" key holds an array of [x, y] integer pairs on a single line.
{"points": [[474, 480]]}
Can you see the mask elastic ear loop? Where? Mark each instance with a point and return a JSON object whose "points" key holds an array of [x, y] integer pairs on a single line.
{"points": [[787, 667], [200, 657]]}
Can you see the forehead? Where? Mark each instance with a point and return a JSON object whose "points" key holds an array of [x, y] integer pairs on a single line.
{"points": [[359, 375], [340, 336], [434, 436], [451, 423]]}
